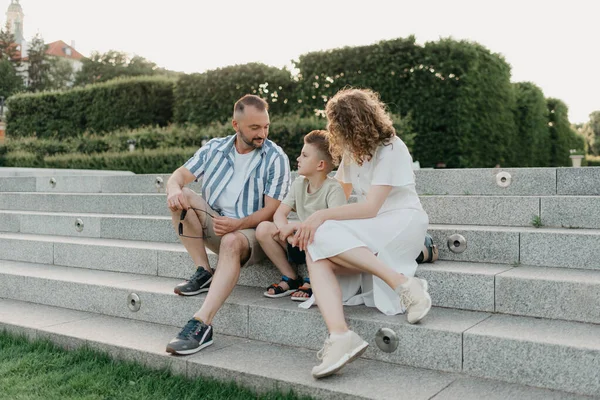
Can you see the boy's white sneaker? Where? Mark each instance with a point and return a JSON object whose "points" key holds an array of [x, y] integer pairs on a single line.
{"points": [[413, 294], [337, 352]]}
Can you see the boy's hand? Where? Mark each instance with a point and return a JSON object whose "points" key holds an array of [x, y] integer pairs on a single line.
{"points": [[285, 232]]}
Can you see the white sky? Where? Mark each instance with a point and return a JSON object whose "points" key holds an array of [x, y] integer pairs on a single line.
{"points": [[553, 43]]}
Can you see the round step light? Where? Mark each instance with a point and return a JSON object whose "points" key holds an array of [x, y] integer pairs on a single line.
{"points": [[387, 340], [53, 182], [159, 183], [457, 243], [503, 179], [79, 224], [133, 302]]}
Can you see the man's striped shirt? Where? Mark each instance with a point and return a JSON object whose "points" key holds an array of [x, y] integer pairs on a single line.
{"points": [[268, 173]]}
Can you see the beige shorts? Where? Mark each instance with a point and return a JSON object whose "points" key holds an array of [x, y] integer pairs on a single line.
{"points": [[213, 242]]}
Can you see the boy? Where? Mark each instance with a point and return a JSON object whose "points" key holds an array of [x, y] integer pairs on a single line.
{"points": [[313, 190]]}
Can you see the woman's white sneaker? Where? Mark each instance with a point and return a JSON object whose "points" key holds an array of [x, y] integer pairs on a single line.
{"points": [[413, 294], [337, 352]]}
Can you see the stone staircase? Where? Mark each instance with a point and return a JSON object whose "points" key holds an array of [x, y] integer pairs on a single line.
{"points": [[94, 259]]}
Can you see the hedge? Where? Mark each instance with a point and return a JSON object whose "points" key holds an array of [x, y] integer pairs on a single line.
{"points": [[140, 162], [288, 132], [458, 93], [531, 118], [98, 108], [210, 96]]}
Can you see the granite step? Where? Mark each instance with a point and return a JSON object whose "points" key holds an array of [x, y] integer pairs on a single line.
{"points": [[524, 211], [527, 211], [254, 363], [98, 203], [482, 181], [551, 247], [523, 290], [247, 313], [143, 183], [96, 225]]}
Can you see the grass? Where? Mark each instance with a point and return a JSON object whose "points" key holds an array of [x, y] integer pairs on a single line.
{"points": [[41, 370], [536, 221]]}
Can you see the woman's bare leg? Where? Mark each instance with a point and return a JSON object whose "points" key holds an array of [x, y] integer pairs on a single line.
{"points": [[328, 293], [364, 260]]}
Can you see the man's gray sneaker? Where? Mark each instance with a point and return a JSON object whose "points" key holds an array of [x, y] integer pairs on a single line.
{"points": [[194, 336], [198, 283]]}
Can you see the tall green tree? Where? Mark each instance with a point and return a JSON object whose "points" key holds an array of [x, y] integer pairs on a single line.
{"points": [[562, 137], [8, 47], [61, 74], [39, 65], [532, 148], [10, 81]]}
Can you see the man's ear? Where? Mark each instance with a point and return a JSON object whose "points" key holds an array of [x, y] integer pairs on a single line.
{"points": [[234, 123]]}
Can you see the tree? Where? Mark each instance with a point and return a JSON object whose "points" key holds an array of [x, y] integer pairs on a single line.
{"points": [[8, 47], [61, 74], [39, 65], [112, 64], [10, 82]]}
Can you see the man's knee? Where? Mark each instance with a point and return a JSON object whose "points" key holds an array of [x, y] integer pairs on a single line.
{"points": [[265, 231], [235, 243]]}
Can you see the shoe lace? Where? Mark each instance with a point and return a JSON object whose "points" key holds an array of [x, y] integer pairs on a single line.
{"points": [[406, 298], [321, 354], [189, 329], [197, 275]]}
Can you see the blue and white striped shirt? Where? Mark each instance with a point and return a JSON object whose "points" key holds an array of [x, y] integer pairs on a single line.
{"points": [[268, 173]]}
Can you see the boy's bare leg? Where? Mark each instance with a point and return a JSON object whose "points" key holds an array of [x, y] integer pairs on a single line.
{"points": [[234, 249], [268, 237], [192, 226]]}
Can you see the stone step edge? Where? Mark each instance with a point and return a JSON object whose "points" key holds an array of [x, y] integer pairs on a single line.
{"points": [[382, 376], [85, 214]]}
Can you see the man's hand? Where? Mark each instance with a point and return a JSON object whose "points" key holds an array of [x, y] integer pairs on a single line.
{"points": [[225, 225], [176, 200]]}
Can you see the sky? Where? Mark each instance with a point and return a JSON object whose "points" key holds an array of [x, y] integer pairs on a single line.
{"points": [[553, 43]]}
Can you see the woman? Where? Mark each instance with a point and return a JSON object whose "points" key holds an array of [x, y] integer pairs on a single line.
{"points": [[371, 245]]}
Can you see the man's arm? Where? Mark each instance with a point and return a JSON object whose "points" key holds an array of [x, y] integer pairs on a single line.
{"points": [[224, 225], [175, 198]]}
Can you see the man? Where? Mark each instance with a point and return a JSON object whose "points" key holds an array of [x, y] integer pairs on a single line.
{"points": [[244, 178]]}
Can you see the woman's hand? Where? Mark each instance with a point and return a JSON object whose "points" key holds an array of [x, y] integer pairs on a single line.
{"points": [[306, 231]]}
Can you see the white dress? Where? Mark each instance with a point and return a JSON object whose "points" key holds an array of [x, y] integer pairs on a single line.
{"points": [[396, 234]]}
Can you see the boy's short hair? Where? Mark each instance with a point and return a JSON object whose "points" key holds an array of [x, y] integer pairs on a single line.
{"points": [[320, 139]]}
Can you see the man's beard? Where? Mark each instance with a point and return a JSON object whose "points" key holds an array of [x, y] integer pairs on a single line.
{"points": [[252, 143]]}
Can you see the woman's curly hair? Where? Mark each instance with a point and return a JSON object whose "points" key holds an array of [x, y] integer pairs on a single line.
{"points": [[358, 123]]}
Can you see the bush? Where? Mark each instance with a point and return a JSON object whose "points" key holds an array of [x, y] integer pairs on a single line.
{"points": [[209, 97], [458, 94], [98, 108], [22, 159], [531, 118]]}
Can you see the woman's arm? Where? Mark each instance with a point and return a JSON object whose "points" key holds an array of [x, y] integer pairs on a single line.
{"points": [[368, 209]]}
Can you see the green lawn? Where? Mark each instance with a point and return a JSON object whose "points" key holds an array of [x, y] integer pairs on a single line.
{"points": [[41, 370]]}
